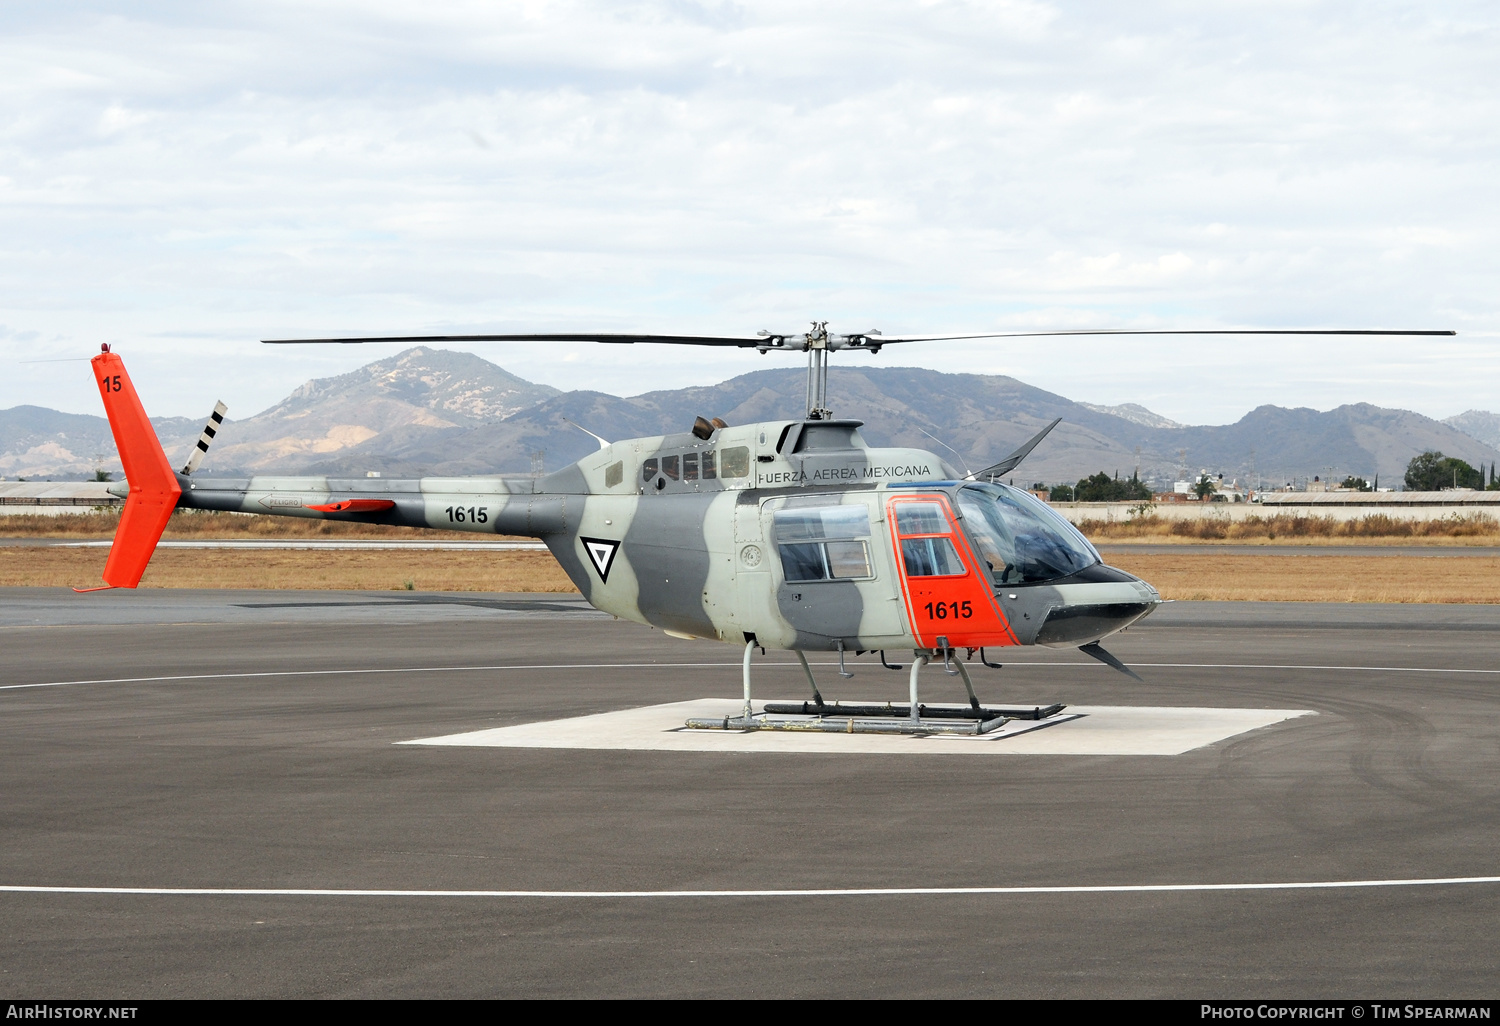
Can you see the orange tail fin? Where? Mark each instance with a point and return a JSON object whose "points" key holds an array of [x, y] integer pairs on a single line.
{"points": [[153, 487]]}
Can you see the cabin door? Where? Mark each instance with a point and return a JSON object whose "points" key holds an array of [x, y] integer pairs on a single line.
{"points": [[946, 593]]}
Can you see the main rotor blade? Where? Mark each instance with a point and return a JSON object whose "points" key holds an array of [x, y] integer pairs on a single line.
{"points": [[1013, 461], [582, 336], [856, 341], [881, 340]]}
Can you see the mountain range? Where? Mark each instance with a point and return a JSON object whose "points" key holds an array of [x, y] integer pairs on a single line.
{"points": [[433, 411]]}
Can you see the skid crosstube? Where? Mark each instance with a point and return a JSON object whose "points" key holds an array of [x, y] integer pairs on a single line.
{"points": [[941, 712]]}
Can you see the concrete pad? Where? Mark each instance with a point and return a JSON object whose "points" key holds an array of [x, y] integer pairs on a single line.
{"points": [[1079, 730]]}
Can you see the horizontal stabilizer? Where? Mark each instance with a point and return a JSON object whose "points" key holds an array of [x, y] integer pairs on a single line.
{"points": [[1013, 461], [355, 506]]}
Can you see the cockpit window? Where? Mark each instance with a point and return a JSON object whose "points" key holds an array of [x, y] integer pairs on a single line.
{"points": [[921, 518], [931, 557], [1021, 539]]}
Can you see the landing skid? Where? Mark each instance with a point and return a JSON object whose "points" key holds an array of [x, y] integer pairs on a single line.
{"points": [[822, 717], [852, 725]]}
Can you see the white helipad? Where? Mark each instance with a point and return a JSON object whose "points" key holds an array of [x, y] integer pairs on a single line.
{"points": [[1078, 730]]}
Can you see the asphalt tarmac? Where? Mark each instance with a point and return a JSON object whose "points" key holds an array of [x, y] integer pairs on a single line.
{"points": [[1198, 548], [248, 740]]}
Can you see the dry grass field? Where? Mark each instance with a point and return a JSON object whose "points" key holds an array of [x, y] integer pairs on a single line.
{"points": [[1208, 576], [1190, 575], [376, 570], [1292, 529], [1187, 575]]}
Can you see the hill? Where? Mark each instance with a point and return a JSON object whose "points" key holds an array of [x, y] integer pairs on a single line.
{"points": [[429, 411], [1480, 424], [36, 442]]}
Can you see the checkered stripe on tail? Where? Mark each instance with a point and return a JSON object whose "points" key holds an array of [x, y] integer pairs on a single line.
{"points": [[210, 429]]}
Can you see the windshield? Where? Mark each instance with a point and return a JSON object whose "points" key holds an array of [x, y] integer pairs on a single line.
{"points": [[1020, 537]]}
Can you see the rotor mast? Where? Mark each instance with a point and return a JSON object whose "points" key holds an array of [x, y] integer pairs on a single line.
{"points": [[817, 372], [819, 343]]}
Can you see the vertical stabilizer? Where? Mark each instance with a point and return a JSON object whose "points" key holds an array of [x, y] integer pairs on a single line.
{"points": [[153, 487]]}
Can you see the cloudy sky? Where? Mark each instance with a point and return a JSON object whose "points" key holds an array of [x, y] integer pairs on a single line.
{"points": [[185, 179]]}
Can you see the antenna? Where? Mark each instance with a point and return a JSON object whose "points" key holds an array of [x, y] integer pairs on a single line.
{"points": [[950, 448], [604, 443]]}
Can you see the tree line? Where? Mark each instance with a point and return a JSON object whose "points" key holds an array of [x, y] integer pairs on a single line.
{"points": [[1100, 487], [1432, 472], [1428, 472]]}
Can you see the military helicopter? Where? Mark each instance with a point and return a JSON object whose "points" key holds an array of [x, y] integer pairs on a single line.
{"points": [[791, 534]]}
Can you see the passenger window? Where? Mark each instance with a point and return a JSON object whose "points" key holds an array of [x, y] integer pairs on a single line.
{"points": [[648, 469], [734, 461], [834, 523], [708, 465], [824, 543], [803, 562], [669, 467], [931, 557], [825, 561], [848, 559], [690, 467], [614, 474]]}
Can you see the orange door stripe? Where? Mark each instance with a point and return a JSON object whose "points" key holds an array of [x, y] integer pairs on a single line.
{"points": [[962, 608]]}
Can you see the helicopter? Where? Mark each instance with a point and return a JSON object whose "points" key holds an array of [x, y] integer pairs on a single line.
{"points": [[787, 534]]}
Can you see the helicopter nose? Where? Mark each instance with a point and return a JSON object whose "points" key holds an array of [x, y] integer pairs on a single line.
{"points": [[1143, 587], [1091, 611]]}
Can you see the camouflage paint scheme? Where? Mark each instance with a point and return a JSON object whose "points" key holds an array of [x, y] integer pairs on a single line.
{"points": [[697, 556]]}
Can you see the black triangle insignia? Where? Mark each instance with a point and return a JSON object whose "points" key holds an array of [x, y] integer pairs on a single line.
{"points": [[602, 554]]}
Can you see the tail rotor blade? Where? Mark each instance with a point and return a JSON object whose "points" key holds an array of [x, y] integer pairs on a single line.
{"points": [[215, 421]]}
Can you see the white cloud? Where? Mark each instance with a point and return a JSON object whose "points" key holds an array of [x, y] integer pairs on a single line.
{"points": [[184, 180]]}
